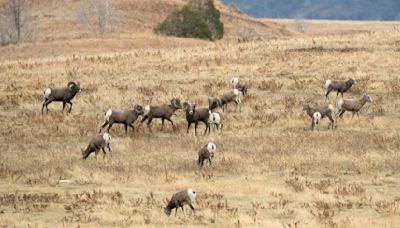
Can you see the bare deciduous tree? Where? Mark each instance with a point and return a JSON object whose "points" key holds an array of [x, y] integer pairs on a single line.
{"points": [[15, 22], [99, 16]]}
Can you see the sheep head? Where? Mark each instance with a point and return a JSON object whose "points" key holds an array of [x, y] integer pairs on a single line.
{"points": [[189, 108], [176, 102], [351, 81], [76, 86], [139, 109], [366, 98]]}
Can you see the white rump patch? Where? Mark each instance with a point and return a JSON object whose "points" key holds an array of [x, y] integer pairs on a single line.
{"points": [[146, 110], [331, 107], [214, 118], [107, 138], [108, 114], [191, 194], [211, 147], [47, 93], [317, 117], [236, 92], [234, 82], [327, 83], [340, 103]]}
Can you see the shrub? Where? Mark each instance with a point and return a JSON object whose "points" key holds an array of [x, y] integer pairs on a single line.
{"points": [[198, 19], [185, 23]]}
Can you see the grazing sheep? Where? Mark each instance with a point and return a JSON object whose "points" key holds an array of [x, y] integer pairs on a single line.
{"points": [[351, 105], [64, 95], [216, 119], [163, 112], [206, 153], [126, 117], [231, 96], [339, 86], [194, 115], [180, 199], [325, 111], [316, 119], [242, 86], [98, 142]]}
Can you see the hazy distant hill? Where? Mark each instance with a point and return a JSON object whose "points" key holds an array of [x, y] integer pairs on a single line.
{"points": [[321, 9]]}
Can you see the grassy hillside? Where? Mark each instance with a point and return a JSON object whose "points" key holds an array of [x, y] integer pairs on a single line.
{"points": [[269, 170], [57, 33]]}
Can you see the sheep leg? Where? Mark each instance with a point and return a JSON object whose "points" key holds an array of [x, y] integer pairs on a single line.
{"points": [[70, 107], [312, 124], [327, 93], [189, 124], [109, 149], [95, 153], [173, 126], [103, 126], [149, 124], [209, 162], [191, 207], [126, 129], [63, 106], [332, 121], [104, 153], [109, 126], [341, 114], [176, 210], [183, 211], [195, 128], [205, 132], [45, 104], [162, 124], [131, 126]]}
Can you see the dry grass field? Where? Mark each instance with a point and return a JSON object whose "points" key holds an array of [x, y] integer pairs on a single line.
{"points": [[270, 169]]}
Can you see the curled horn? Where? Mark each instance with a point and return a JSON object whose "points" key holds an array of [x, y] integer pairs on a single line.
{"points": [[71, 83], [138, 108], [185, 104], [176, 102]]}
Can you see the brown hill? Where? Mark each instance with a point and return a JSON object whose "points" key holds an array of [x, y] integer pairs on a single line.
{"points": [[58, 33]]}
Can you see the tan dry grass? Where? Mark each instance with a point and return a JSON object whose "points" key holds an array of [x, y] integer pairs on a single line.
{"points": [[270, 170]]}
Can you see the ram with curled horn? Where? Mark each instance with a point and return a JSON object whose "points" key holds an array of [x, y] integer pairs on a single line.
{"points": [[64, 95]]}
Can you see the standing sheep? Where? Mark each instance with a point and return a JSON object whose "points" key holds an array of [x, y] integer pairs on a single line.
{"points": [[163, 112], [231, 96], [126, 117], [206, 153], [195, 116], [180, 199], [242, 86], [325, 111], [63, 95], [216, 119], [96, 143], [339, 86], [352, 105]]}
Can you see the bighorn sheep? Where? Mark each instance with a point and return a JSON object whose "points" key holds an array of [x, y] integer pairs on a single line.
{"points": [[194, 115], [316, 119], [98, 142], [231, 96], [180, 199], [242, 86], [64, 95], [163, 112], [214, 105], [351, 105], [206, 153], [126, 117], [339, 86], [325, 111], [216, 119]]}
